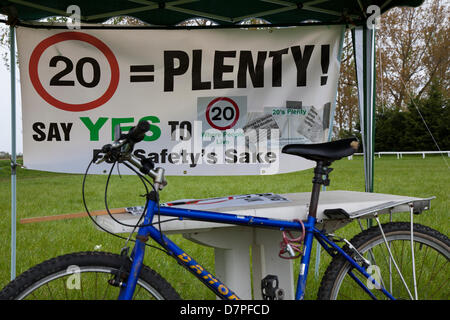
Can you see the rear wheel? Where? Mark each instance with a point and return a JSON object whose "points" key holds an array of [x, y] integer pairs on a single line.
{"points": [[84, 276], [431, 257]]}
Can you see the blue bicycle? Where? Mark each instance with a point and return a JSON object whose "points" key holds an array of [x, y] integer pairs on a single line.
{"points": [[394, 260]]}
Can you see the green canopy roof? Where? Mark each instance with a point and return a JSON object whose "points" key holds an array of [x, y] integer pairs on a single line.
{"points": [[223, 12]]}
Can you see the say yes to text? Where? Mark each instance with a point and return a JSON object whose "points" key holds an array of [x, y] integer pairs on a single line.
{"points": [[60, 131]]}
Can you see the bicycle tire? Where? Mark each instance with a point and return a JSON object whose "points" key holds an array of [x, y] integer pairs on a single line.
{"points": [[76, 275], [431, 252]]}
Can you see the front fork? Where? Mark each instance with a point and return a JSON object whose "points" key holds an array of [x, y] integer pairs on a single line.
{"points": [[137, 255]]}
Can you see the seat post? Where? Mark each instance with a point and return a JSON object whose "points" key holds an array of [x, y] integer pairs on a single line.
{"points": [[320, 171]]}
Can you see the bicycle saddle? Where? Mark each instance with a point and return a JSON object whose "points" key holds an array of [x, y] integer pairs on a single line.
{"points": [[328, 151]]}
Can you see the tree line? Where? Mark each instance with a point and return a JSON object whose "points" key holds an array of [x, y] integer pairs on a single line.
{"points": [[412, 81], [423, 125]]}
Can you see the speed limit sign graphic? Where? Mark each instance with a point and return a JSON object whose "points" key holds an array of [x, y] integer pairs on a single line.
{"points": [[79, 72], [222, 113]]}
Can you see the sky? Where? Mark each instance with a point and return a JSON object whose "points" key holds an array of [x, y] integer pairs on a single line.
{"points": [[5, 108]]}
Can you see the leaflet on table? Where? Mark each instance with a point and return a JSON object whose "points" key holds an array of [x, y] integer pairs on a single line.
{"points": [[219, 202], [296, 123]]}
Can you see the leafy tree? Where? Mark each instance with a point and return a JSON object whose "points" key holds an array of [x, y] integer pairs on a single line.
{"points": [[409, 130], [413, 46], [432, 112], [390, 131]]}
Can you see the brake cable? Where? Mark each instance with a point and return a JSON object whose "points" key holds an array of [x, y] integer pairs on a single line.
{"points": [[101, 227], [157, 200]]}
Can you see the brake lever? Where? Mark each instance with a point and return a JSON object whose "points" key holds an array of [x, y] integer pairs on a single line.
{"points": [[100, 161], [118, 143]]}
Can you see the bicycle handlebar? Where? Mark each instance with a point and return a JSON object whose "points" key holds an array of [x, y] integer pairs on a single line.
{"points": [[137, 133], [122, 148]]}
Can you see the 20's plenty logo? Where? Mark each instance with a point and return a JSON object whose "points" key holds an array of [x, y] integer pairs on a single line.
{"points": [[61, 76], [222, 113]]}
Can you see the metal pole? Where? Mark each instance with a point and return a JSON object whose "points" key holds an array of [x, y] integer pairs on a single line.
{"points": [[372, 103], [411, 209], [364, 48], [12, 53], [369, 44]]}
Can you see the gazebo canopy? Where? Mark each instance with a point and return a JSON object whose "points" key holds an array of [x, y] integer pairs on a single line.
{"points": [[223, 12]]}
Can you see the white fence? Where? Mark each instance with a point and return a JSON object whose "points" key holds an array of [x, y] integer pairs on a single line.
{"points": [[401, 153]]}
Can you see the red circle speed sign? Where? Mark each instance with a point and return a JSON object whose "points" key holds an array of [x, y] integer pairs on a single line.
{"points": [[72, 35], [232, 116]]}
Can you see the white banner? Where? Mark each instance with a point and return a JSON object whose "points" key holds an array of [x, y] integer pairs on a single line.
{"points": [[220, 102]]}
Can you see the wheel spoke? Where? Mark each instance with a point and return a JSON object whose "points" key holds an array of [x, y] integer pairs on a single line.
{"points": [[422, 263], [49, 291], [106, 291], [411, 209], [96, 279], [393, 260], [91, 279], [64, 285]]}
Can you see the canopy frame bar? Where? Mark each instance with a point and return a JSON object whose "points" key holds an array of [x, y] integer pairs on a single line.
{"points": [[173, 6], [39, 7]]}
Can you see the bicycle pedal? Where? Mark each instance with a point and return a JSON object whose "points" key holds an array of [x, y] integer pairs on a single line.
{"points": [[115, 282], [270, 289]]}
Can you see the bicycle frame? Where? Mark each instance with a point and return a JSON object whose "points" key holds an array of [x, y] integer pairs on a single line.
{"points": [[208, 279]]}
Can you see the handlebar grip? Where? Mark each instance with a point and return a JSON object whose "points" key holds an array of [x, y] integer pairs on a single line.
{"points": [[137, 133], [106, 148]]}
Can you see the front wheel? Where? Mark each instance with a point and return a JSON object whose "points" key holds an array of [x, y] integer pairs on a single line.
{"points": [[431, 265], [84, 276]]}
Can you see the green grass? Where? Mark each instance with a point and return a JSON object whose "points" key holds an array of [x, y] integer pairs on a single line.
{"points": [[44, 193]]}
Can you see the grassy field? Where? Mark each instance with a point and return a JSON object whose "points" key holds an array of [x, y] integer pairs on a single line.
{"points": [[44, 193]]}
